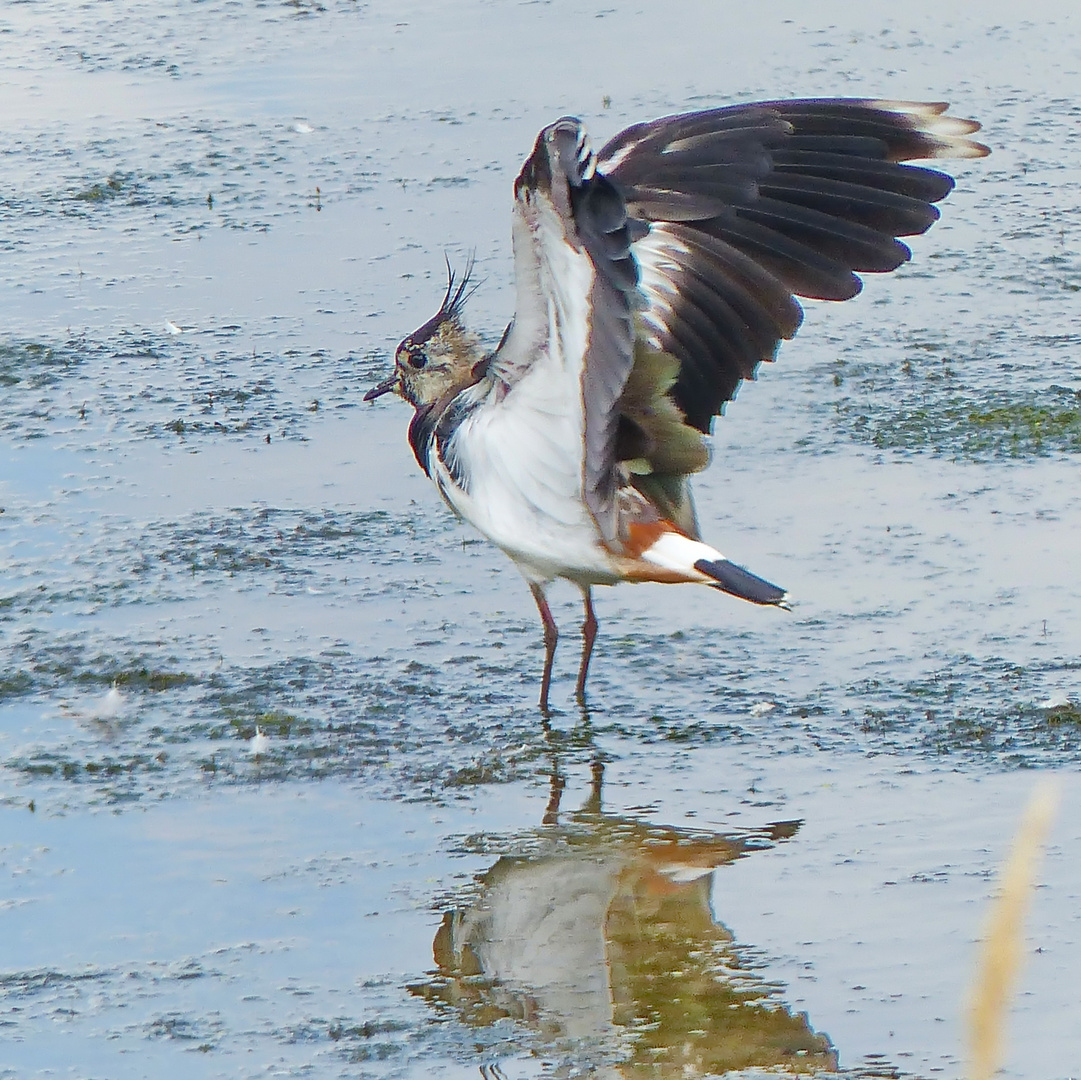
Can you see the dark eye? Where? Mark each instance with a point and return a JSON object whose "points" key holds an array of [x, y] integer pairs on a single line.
{"points": [[417, 360]]}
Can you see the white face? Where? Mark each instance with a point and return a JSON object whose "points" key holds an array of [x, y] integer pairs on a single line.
{"points": [[442, 362]]}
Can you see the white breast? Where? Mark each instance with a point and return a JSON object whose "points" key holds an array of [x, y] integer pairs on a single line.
{"points": [[524, 486], [520, 450]]}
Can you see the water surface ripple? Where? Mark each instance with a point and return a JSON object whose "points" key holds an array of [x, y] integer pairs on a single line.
{"points": [[276, 797]]}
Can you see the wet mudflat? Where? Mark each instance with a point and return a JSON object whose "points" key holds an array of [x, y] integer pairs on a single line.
{"points": [[275, 799]]}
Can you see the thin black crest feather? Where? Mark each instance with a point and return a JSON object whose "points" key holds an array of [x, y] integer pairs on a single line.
{"points": [[454, 300]]}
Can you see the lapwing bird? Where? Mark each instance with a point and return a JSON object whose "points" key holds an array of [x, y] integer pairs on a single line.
{"points": [[652, 277]]}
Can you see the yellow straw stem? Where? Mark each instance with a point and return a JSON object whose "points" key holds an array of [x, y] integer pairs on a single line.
{"points": [[1000, 953]]}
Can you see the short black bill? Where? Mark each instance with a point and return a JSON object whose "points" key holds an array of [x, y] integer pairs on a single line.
{"points": [[385, 387]]}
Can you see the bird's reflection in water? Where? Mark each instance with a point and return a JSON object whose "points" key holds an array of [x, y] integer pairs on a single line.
{"points": [[597, 933]]}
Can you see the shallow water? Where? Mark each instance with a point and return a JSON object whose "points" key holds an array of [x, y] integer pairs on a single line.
{"points": [[771, 842]]}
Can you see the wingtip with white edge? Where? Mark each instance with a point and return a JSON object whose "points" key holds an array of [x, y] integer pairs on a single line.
{"points": [[947, 132]]}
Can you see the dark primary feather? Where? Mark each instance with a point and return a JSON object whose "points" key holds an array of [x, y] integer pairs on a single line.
{"points": [[749, 206]]}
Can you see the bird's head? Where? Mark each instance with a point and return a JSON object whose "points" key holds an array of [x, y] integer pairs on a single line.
{"points": [[439, 357]]}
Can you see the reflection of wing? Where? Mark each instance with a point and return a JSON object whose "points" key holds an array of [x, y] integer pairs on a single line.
{"points": [[571, 345], [607, 939], [540, 932], [750, 204]]}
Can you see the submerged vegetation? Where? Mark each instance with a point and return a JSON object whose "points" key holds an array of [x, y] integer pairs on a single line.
{"points": [[930, 409], [105, 190], [34, 365], [994, 425]]}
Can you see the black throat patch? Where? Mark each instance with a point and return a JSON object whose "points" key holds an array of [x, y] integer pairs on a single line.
{"points": [[433, 427], [421, 429]]}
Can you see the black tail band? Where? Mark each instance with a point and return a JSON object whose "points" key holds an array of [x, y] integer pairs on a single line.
{"points": [[734, 579]]}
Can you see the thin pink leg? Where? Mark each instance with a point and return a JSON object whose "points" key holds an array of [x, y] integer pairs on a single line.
{"points": [[589, 635], [551, 636]]}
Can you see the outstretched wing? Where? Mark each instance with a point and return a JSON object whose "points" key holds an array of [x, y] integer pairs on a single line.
{"points": [[750, 206], [566, 357], [700, 231]]}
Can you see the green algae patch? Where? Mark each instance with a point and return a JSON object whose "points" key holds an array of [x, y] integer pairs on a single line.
{"points": [[992, 425], [34, 364], [275, 722], [1033, 423], [103, 190], [1068, 715], [15, 684], [145, 679], [139, 678], [981, 403]]}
